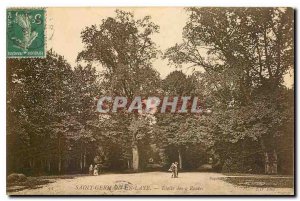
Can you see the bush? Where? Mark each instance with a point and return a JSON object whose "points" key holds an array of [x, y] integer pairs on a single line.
{"points": [[205, 168], [246, 165], [15, 177]]}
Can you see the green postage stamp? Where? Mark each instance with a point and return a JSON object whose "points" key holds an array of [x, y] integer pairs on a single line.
{"points": [[25, 32]]}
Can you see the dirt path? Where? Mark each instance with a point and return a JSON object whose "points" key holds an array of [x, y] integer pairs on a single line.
{"points": [[150, 183]]}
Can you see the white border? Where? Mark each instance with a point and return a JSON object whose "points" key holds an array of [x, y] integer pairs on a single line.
{"points": [[112, 3]]}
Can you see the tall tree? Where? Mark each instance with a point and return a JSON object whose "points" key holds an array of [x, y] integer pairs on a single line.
{"points": [[179, 131], [124, 47], [245, 52], [39, 96], [86, 86], [236, 50]]}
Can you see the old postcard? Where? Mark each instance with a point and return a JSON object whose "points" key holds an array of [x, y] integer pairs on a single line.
{"points": [[150, 101]]}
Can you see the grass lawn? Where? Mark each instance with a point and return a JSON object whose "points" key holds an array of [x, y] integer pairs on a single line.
{"points": [[34, 182], [30, 183], [261, 181]]}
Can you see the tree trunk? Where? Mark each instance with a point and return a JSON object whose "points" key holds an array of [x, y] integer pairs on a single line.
{"points": [[81, 158], [59, 164], [81, 162], [266, 156], [274, 162], [30, 163], [33, 165], [59, 156], [180, 159], [267, 163], [135, 157], [84, 158], [270, 159], [49, 165], [128, 164]]}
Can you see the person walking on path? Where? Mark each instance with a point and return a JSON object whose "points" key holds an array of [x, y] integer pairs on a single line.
{"points": [[176, 169], [172, 169], [96, 170], [91, 168]]}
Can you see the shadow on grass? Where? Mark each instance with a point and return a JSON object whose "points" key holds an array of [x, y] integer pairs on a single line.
{"points": [[30, 183], [261, 182], [34, 182]]}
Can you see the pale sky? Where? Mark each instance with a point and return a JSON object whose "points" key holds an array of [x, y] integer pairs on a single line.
{"points": [[64, 26]]}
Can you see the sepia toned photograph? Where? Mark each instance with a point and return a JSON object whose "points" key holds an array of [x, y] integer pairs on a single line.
{"points": [[150, 101]]}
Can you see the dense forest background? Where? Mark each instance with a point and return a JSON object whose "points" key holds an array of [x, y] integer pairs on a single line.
{"points": [[240, 56]]}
